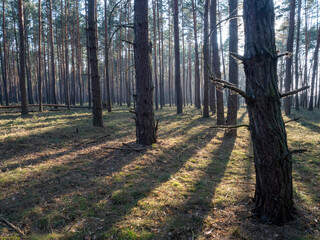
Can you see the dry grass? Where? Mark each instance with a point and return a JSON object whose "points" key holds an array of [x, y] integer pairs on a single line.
{"points": [[63, 179]]}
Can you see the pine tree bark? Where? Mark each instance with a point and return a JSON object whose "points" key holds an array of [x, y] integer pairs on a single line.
{"points": [[96, 92], [144, 110], [23, 90], [216, 63], [288, 81], [273, 165], [297, 55], [206, 60], [39, 62], [106, 57], [4, 70], [233, 68], [177, 58], [53, 68], [197, 101], [155, 55]]}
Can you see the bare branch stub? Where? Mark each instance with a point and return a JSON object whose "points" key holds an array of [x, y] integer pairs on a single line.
{"points": [[231, 126], [282, 95], [296, 151]]}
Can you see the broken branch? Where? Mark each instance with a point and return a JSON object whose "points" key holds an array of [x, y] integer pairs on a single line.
{"points": [[282, 95], [232, 87], [10, 225], [293, 120], [230, 126]]}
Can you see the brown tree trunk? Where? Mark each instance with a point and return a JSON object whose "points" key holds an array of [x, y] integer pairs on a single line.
{"points": [[233, 68], [78, 55], [106, 57], [155, 55], [4, 70], [53, 68], [24, 108], [88, 60], [297, 55], [66, 48], [274, 193], [40, 66], [197, 101], [288, 81], [177, 58], [207, 61], [216, 63], [96, 92], [145, 125]]}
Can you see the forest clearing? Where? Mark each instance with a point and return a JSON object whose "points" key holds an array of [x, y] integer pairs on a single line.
{"points": [[61, 178]]}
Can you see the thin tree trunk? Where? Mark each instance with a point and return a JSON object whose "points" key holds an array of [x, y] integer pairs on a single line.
{"points": [[297, 55], [233, 68], [288, 82], [177, 58], [155, 55], [206, 60], [106, 57], [40, 66], [197, 101], [4, 70], [24, 107]]}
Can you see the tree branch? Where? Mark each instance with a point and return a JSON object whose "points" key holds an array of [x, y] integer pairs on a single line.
{"points": [[293, 120], [10, 225], [230, 126], [232, 87], [237, 56], [282, 95]]}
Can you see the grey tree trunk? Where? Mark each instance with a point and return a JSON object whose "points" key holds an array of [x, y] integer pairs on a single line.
{"points": [[207, 61], [297, 55], [40, 65]]}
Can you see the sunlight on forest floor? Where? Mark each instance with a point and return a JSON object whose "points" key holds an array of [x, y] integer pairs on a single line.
{"points": [[61, 178]]}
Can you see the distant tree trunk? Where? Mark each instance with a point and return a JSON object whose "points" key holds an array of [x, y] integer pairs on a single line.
{"points": [[274, 193], [73, 77], [24, 107], [169, 57], [145, 125], [96, 92], [40, 66], [315, 69], [287, 101], [78, 55], [88, 59], [207, 61], [53, 68], [106, 57], [66, 48], [4, 70], [216, 63], [155, 54], [304, 96], [233, 68], [297, 55], [177, 58], [190, 73], [197, 101]]}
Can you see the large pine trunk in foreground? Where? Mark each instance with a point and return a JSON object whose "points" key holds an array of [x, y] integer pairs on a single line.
{"points": [[145, 126], [273, 195], [95, 78]]}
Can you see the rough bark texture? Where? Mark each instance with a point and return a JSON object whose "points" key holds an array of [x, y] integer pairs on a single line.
{"points": [[96, 92], [288, 81], [24, 107], [273, 195], [216, 63], [233, 68], [177, 58], [145, 125], [315, 68], [207, 62]]}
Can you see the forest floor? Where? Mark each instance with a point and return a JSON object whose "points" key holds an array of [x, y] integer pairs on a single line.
{"points": [[60, 178]]}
